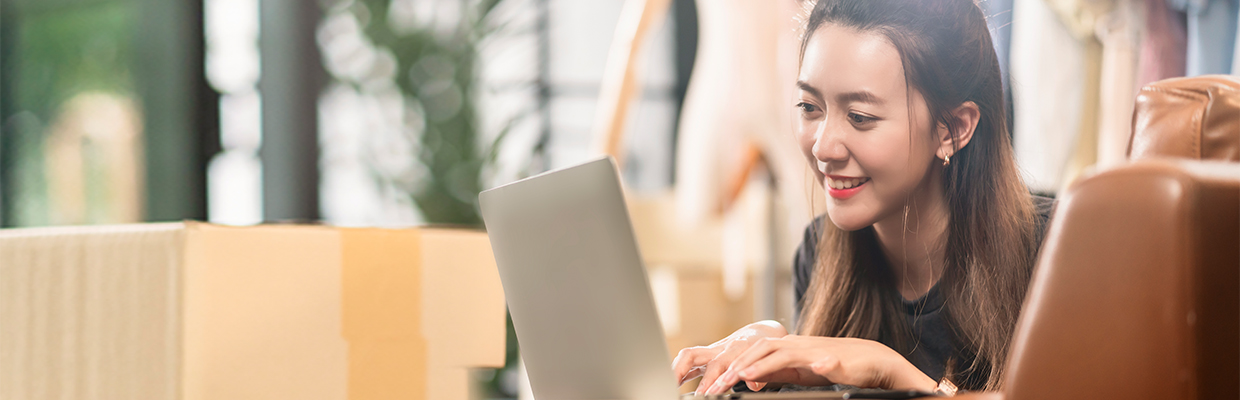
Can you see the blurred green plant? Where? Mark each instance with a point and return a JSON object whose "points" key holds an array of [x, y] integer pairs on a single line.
{"points": [[68, 50], [61, 49], [436, 70]]}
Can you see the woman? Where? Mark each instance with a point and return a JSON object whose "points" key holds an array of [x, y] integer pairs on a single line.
{"points": [[918, 272]]}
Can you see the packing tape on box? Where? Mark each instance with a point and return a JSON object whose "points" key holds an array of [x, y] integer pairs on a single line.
{"points": [[382, 314]]}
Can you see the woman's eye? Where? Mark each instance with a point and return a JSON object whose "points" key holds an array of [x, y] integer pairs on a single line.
{"points": [[859, 119], [806, 107]]}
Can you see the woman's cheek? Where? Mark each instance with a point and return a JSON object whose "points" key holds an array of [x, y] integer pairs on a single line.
{"points": [[806, 140], [805, 137]]}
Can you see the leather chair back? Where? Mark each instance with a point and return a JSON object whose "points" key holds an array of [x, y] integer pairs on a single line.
{"points": [[1137, 290], [1197, 118]]}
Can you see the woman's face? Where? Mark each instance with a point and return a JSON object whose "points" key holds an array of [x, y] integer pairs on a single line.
{"points": [[854, 126]]}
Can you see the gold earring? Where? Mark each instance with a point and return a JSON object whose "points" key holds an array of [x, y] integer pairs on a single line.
{"points": [[947, 160]]}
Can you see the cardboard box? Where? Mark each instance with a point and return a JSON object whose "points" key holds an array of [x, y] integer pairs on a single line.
{"points": [[197, 311]]}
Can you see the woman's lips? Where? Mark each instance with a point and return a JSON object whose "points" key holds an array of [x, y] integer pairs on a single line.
{"points": [[843, 187]]}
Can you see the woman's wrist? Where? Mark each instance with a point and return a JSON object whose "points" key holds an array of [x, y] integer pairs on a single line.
{"points": [[770, 327], [905, 375], [760, 329], [913, 378]]}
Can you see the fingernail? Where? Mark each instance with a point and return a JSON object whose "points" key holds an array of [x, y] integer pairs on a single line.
{"points": [[747, 373]]}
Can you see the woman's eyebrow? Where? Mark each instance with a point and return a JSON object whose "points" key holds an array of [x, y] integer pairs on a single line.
{"points": [[860, 96], [805, 86]]}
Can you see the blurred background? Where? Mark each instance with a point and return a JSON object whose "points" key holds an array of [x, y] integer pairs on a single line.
{"points": [[384, 112], [353, 113], [398, 112]]}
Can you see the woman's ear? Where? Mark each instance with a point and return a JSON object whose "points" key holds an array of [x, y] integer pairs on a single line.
{"points": [[965, 119]]}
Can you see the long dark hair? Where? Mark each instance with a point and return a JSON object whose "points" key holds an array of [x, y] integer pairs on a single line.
{"points": [[948, 57]]}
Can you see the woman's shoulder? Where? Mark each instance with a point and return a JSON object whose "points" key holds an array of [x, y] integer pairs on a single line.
{"points": [[806, 251], [814, 229], [803, 262], [1044, 210], [1043, 206]]}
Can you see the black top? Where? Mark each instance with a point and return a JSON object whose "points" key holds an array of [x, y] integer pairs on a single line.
{"points": [[933, 337]]}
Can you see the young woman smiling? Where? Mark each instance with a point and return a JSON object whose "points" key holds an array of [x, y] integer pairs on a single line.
{"points": [[917, 273]]}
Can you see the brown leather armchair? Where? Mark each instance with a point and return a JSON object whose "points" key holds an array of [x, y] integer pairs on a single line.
{"points": [[1137, 290], [1195, 118]]}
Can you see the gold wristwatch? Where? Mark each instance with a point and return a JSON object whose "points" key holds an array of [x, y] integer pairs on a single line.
{"points": [[946, 388]]}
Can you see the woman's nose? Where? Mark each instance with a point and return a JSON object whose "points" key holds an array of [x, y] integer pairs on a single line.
{"points": [[828, 145]]}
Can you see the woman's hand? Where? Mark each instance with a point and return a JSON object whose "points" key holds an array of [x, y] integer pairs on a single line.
{"points": [[710, 361], [820, 361]]}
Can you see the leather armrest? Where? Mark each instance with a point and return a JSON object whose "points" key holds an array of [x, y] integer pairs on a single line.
{"points": [[980, 396], [972, 396]]}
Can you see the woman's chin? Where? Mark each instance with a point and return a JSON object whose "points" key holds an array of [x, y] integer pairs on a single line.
{"points": [[848, 221]]}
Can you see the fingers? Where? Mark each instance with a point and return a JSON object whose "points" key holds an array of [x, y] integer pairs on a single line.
{"points": [[828, 367], [760, 349], [688, 363], [717, 365], [765, 366], [713, 369], [693, 373], [711, 361]]}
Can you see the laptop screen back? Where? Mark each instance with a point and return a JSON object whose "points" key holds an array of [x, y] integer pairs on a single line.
{"points": [[576, 287]]}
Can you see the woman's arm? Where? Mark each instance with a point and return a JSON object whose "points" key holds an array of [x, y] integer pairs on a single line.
{"points": [[821, 361]]}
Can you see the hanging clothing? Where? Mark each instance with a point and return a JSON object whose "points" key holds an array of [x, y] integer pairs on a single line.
{"points": [[999, 21], [1055, 78], [1120, 34], [1211, 34], [1163, 48], [1235, 55], [741, 92]]}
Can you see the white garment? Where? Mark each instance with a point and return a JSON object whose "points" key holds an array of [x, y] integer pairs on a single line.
{"points": [[1235, 59], [742, 91], [1120, 34], [1048, 75]]}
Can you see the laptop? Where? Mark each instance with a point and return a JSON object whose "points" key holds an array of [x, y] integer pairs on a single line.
{"points": [[578, 294]]}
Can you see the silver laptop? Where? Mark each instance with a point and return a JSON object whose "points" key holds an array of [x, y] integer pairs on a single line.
{"points": [[577, 290]]}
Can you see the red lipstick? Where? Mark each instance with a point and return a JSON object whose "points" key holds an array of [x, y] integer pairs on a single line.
{"points": [[843, 194]]}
